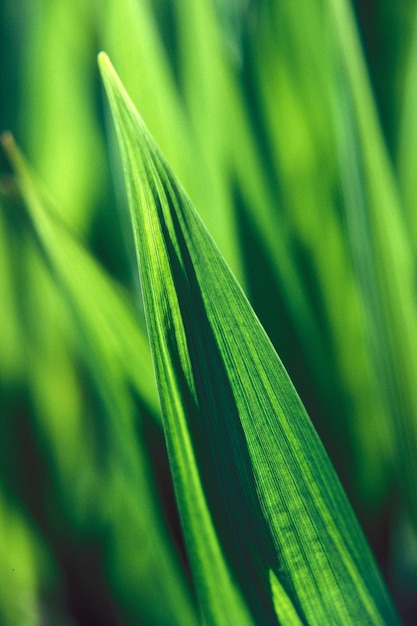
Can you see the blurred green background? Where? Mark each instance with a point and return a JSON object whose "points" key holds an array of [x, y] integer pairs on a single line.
{"points": [[292, 126]]}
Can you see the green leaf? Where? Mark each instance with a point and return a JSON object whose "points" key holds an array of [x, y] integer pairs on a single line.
{"points": [[95, 300], [269, 531], [294, 88], [224, 129], [382, 250], [407, 139], [142, 52], [11, 353], [74, 169], [142, 563], [27, 573]]}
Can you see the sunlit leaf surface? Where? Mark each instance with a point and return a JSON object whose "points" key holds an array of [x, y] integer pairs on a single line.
{"points": [[269, 532]]}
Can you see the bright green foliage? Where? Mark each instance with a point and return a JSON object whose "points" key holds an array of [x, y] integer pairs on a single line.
{"points": [[116, 352], [25, 570], [292, 128], [234, 424], [58, 52], [408, 135], [96, 300], [382, 252]]}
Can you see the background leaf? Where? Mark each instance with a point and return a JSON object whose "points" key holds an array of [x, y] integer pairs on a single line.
{"points": [[114, 356]]}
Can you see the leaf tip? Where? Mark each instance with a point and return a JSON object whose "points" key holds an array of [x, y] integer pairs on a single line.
{"points": [[104, 63], [11, 151], [109, 75], [7, 141]]}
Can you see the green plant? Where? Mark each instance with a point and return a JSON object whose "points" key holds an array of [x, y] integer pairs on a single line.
{"points": [[227, 510]]}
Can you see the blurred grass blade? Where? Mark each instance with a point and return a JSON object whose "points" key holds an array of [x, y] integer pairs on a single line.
{"points": [[142, 52], [382, 249], [27, 571], [269, 531], [117, 353], [407, 140], [57, 50], [95, 299], [208, 85], [11, 358], [224, 130], [292, 87]]}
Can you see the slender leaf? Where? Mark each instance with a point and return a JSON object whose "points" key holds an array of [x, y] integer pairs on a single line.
{"points": [[27, 571], [269, 531], [382, 250], [293, 86], [96, 300], [142, 52], [407, 140], [57, 50], [116, 351], [11, 362], [224, 129]]}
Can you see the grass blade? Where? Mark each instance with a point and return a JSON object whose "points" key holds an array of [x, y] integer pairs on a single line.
{"points": [[382, 250], [94, 298], [11, 353], [117, 353], [56, 49], [292, 88], [27, 571], [141, 52], [407, 139], [265, 519]]}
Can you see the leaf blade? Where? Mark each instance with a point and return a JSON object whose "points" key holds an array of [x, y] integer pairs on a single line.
{"points": [[259, 468], [114, 346]]}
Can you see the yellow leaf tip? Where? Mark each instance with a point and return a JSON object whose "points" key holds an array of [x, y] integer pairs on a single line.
{"points": [[104, 61]]}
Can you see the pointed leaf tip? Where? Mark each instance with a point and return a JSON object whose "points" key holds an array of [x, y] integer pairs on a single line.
{"points": [[103, 60]]}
